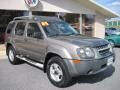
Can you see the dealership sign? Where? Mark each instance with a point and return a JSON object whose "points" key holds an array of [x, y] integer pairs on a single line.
{"points": [[32, 3]]}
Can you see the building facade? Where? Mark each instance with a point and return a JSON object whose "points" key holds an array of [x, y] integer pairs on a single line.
{"points": [[87, 16], [113, 23]]}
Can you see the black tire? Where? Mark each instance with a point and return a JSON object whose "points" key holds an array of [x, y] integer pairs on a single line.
{"points": [[65, 80], [15, 60]]}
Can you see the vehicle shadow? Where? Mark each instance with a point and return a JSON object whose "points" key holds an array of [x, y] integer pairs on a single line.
{"points": [[93, 78], [117, 47]]}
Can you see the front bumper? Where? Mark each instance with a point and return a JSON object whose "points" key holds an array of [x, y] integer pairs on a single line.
{"points": [[88, 67]]}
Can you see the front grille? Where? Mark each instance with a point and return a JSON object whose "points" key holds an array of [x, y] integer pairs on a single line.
{"points": [[103, 50]]}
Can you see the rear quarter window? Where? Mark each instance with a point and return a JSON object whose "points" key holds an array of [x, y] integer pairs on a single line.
{"points": [[10, 27]]}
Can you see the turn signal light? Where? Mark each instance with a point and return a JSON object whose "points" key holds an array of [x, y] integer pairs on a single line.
{"points": [[76, 61]]}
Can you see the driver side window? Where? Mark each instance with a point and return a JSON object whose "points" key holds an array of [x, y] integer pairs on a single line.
{"points": [[34, 31]]}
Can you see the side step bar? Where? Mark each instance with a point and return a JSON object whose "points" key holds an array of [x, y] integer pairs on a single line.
{"points": [[31, 62]]}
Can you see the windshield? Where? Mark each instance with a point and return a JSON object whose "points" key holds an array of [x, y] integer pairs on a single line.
{"points": [[59, 28]]}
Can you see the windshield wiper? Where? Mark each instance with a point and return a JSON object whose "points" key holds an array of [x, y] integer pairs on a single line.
{"points": [[72, 34], [56, 35], [63, 35]]}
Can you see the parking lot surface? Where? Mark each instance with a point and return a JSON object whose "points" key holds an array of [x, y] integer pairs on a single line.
{"points": [[27, 77]]}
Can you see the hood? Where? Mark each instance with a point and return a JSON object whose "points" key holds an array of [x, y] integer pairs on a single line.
{"points": [[116, 33], [82, 40]]}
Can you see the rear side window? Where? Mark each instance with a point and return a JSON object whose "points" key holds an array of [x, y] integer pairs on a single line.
{"points": [[10, 27], [20, 28]]}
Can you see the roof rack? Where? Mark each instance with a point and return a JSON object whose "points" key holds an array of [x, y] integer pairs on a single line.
{"points": [[24, 18], [37, 18]]}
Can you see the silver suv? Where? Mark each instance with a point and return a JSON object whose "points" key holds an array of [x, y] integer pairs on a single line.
{"points": [[53, 45]]}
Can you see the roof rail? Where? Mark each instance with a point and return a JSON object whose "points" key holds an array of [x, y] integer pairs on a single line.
{"points": [[37, 18], [24, 18]]}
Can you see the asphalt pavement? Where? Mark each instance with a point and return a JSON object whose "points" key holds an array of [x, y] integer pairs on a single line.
{"points": [[27, 77]]}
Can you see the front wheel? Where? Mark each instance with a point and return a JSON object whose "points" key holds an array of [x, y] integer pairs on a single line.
{"points": [[57, 72]]}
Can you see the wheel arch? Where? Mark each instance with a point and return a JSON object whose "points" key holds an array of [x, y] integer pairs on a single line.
{"points": [[47, 58], [7, 46]]}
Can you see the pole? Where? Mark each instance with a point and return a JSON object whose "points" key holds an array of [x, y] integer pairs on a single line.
{"points": [[80, 20], [30, 14]]}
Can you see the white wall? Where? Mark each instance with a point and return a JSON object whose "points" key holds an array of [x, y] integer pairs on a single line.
{"points": [[70, 6], [13, 5], [99, 30]]}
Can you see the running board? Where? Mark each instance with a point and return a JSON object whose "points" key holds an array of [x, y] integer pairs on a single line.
{"points": [[31, 62]]}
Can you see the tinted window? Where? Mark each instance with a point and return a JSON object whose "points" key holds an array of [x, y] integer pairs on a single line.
{"points": [[33, 30], [10, 27], [20, 28], [119, 23]]}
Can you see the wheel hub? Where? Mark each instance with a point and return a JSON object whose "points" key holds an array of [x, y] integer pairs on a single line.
{"points": [[56, 72], [11, 55]]}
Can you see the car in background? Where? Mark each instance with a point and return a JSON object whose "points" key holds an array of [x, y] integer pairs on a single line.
{"points": [[112, 31], [113, 39]]}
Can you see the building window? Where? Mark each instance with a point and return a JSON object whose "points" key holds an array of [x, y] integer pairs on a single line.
{"points": [[118, 23], [73, 20], [107, 24], [88, 24], [110, 24], [114, 23]]}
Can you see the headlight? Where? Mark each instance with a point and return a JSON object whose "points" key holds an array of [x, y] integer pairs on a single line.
{"points": [[89, 52], [111, 48], [85, 52]]}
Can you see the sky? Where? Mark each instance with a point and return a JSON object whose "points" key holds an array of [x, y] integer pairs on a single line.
{"points": [[111, 4]]}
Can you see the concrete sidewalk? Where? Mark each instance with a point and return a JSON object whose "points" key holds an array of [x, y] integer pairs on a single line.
{"points": [[2, 47], [2, 52]]}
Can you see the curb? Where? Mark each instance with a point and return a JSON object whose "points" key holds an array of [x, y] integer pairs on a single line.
{"points": [[3, 57]]}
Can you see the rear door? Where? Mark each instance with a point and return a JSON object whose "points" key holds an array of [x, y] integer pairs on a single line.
{"points": [[35, 45], [19, 36]]}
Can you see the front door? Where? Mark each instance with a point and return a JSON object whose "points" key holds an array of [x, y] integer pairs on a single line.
{"points": [[35, 44]]}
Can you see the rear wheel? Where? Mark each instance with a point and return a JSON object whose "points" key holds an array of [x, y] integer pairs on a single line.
{"points": [[57, 72], [12, 56]]}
